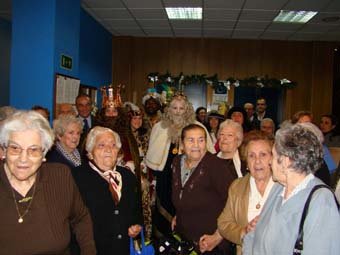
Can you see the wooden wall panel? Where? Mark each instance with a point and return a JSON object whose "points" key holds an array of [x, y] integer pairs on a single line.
{"points": [[307, 63]]}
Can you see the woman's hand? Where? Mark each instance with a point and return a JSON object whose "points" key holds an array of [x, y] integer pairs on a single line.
{"points": [[134, 230], [209, 242], [173, 223], [252, 224]]}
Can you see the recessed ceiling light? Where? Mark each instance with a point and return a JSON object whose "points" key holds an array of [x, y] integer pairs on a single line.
{"points": [[294, 16], [184, 12]]}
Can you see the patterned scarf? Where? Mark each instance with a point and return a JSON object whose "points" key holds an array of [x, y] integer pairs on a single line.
{"points": [[114, 179], [73, 157]]}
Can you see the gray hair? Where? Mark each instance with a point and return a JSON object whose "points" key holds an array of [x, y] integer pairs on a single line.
{"points": [[60, 124], [94, 132], [268, 120], [313, 128], [301, 146], [27, 120], [6, 111], [238, 128]]}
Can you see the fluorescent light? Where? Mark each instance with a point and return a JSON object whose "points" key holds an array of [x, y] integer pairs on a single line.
{"points": [[294, 16], [184, 12]]}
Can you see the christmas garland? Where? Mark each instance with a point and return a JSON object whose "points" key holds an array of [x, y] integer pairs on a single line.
{"points": [[255, 81]]}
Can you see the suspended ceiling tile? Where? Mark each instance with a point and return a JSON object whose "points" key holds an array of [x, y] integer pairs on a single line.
{"points": [[220, 14], [249, 25], [218, 24], [122, 24], [186, 24], [149, 13], [160, 24], [158, 32], [253, 34], [306, 5], [103, 3], [284, 27], [275, 35], [230, 4], [264, 4], [212, 33], [320, 28], [333, 6], [187, 32], [330, 37], [111, 13], [131, 32], [143, 3], [305, 36], [258, 15]]}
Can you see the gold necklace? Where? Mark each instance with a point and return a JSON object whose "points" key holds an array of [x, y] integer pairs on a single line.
{"points": [[21, 216]]}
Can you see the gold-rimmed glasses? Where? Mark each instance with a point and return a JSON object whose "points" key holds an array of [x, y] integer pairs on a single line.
{"points": [[32, 151]]}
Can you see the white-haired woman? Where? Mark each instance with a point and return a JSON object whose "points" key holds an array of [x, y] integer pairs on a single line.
{"points": [[230, 137], [110, 193], [67, 129], [39, 202], [297, 154]]}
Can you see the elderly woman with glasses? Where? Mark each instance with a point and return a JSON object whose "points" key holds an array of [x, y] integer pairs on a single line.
{"points": [[39, 202], [297, 154], [110, 193]]}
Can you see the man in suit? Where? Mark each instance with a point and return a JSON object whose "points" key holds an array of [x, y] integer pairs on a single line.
{"points": [[84, 108], [261, 106]]}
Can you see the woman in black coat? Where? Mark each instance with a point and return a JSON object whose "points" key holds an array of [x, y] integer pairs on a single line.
{"points": [[110, 193]]}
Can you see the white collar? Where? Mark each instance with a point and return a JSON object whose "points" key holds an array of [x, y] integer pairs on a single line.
{"points": [[301, 186]]}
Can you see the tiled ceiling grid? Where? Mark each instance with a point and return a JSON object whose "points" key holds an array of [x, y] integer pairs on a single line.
{"points": [[244, 19]]}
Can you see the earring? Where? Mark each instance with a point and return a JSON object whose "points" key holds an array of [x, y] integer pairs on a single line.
{"points": [[44, 159]]}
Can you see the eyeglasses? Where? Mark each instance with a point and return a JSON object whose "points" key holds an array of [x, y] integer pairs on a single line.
{"points": [[16, 150]]}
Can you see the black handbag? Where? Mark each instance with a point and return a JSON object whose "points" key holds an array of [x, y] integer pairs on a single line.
{"points": [[298, 248], [175, 244]]}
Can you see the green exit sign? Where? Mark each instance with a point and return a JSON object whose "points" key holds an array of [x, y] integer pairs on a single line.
{"points": [[66, 62]]}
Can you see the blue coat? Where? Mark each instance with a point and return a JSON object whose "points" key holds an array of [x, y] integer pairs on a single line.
{"points": [[277, 229]]}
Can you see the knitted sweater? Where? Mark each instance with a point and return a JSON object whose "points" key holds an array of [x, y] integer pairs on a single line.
{"points": [[56, 206]]}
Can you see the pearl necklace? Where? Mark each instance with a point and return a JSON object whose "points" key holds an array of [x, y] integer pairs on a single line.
{"points": [[21, 216]]}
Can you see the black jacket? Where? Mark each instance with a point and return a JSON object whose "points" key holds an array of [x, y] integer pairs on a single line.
{"points": [[110, 222]]}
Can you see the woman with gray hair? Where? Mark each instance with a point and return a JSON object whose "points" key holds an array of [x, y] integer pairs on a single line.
{"points": [[110, 193], [230, 137], [297, 154], [67, 129], [38, 198]]}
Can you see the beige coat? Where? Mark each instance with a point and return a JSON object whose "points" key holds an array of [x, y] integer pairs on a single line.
{"points": [[234, 216]]}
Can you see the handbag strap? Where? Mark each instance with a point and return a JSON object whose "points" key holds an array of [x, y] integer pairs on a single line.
{"points": [[299, 241], [142, 237]]}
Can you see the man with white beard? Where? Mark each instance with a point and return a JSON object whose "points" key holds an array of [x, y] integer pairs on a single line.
{"points": [[164, 145]]}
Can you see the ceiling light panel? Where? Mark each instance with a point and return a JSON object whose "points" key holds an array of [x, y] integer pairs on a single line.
{"points": [[294, 16], [184, 13]]}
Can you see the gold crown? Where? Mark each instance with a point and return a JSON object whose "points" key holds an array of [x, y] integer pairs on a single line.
{"points": [[179, 95], [111, 97]]}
